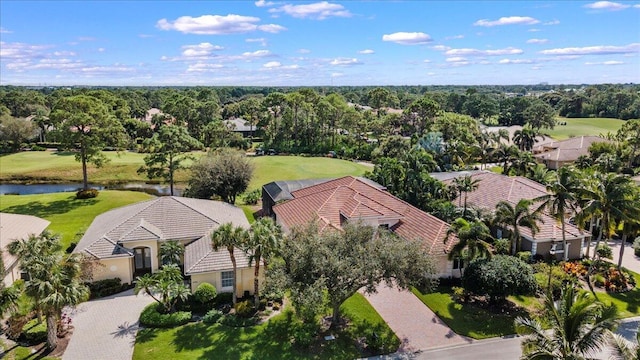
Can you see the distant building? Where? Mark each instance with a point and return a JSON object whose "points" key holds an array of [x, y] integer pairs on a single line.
{"points": [[242, 126], [557, 154]]}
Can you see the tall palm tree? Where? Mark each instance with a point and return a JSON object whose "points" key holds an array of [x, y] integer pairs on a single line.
{"points": [[561, 200], [8, 295], [580, 327], [229, 237], [171, 252], [263, 242], [525, 138], [505, 154], [465, 185], [515, 217], [473, 240], [612, 197], [631, 225]]}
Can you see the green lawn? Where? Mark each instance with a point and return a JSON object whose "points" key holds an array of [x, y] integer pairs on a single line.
{"points": [[69, 216], [272, 168], [24, 353], [270, 340], [50, 166], [628, 303], [468, 320], [583, 126]]}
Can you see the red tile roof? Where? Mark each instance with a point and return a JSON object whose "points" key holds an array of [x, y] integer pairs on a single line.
{"points": [[353, 198]]}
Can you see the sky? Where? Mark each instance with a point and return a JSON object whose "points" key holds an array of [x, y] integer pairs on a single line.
{"points": [[299, 43]]}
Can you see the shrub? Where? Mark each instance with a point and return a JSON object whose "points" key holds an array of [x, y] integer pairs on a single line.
{"points": [[604, 251], [524, 256], [245, 309], [237, 321], [15, 324], [558, 278], [598, 280], [37, 148], [205, 293], [252, 197], [35, 333], [575, 269], [303, 334], [87, 194], [502, 246], [150, 317], [222, 299], [636, 246], [105, 287], [499, 277], [459, 295], [212, 316]]}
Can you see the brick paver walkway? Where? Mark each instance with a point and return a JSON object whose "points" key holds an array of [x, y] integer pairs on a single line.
{"points": [[106, 328], [413, 322]]}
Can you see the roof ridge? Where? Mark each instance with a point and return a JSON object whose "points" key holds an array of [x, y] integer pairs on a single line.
{"points": [[176, 198], [377, 202], [202, 257]]}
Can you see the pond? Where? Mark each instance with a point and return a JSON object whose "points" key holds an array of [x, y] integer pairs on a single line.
{"points": [[28, 189]]}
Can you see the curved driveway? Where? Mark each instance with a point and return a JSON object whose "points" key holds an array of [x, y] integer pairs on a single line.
{"points": [[106, 328]]}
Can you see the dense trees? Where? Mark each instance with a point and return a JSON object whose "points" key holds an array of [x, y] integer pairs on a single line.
{"points": [[499, 277]]}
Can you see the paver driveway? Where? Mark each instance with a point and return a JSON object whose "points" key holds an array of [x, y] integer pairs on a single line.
{"points": [[106, 328], [413, 322]]}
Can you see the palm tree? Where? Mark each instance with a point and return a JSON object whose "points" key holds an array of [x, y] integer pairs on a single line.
{"points": [[230, 237], [561, 200], [515, 217], [611, 196], [8, 295], [580, 326], [623, 349], [171, 252], [167, 284], [505, 154], [525, 138], [465, 185], [541, 174], [473, 240], [630, 226], [263, 242]]}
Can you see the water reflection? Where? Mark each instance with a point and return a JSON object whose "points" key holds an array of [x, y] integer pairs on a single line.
{"points": [[28, 189]]}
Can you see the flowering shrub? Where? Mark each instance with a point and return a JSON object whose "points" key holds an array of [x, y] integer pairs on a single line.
{"points": [[575, 269]]}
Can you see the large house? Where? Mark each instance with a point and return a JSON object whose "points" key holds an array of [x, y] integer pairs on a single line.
{"points": [[16, 227], [332, 203], [126, 241], [493, 188], [557, 154]]}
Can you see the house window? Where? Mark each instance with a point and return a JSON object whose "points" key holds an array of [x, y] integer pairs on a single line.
{"points": [[25, 276], [458, 263], [384, 226], [227, 279]]}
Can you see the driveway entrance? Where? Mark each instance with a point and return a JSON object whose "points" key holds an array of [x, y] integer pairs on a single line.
{"points": [[106, 328]]}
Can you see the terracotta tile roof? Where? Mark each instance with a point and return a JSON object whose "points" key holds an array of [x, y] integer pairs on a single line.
{"points": [[352, 198], [494, 188]]}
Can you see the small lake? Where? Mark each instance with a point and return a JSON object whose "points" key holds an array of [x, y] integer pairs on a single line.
{"points": [[24, 189]]}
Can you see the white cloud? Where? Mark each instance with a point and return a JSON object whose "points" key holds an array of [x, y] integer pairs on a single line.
{"points": [[5, 31], [426, 61], [366, 52], [637, 6], [216, 25], [21, 50], [515, 61], [64, 53], [199, 50], [318, 11], [552, 22], [533, 30], [456, 59], [262, 41], [610, 62], [263, 3], [454, 37], [336, 74], [272, 64], [105, 70], [145, 36], [431, 73], [203, 67], [510, 20], [272, 28], [345, 62], [101, 49], [477, 52], [607, 6], [537, 41], [304, 51], [441, 47], [594, 50], [257, 54], [407, 38]]}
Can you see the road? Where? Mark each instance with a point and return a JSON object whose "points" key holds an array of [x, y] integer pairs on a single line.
{"points": [[506, 348]]}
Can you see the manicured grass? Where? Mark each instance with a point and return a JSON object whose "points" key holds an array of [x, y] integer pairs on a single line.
{"points": [[468, 320], [270, 340], [583, 126], [628, 303], [272, 168], [24, 353], [50, 166], [69, 216]]}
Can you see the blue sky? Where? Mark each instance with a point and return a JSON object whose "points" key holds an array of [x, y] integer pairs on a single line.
{"points": [[295, 43]]}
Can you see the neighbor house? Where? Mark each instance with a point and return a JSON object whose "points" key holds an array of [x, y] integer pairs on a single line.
{"points": [[16, 227], [126, 241], [332, 203], [242, 127], [493, 188], [557, 154]]}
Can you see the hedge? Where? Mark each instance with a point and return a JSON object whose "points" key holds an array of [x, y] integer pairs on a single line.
{"points": [[35, 333], [150, 317]]}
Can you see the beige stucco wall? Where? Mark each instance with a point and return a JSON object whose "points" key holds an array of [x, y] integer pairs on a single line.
{"points": [[244, 280], [11, 274], [153, 244], [544, 248], [444, 267], [117, 267]]}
